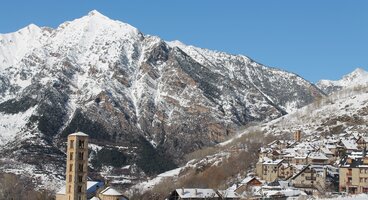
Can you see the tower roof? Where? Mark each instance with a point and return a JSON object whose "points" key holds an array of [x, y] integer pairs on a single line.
{"points": [[79, 134]]}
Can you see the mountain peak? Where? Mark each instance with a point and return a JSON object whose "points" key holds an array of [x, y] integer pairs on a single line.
{"points": [[356, 78], [357, 72], [95, 13]]}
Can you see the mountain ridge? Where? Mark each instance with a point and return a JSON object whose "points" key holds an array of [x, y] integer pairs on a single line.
{"points": [[358, 77], [134, 93]]}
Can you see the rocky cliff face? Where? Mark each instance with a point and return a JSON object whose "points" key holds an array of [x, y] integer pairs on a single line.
{"points": [[154, 101]]}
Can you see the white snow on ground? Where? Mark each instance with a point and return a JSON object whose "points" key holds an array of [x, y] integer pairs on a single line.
{"points": [[147, 185], [310, 118]]}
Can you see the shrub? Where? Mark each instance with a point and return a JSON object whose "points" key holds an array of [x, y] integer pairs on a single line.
{"points": [[109, 157]]}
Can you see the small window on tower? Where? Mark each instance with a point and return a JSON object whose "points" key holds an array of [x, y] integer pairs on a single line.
{"points": [[80, 179], [71, 156], [70, 189], [71, 167], [81, 144], [79, 189], [70, 178], [71, 144], [80, 167], [80, 155]]}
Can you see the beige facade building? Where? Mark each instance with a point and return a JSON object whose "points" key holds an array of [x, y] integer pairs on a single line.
{"points": [[310, 177], [270, 170], [353, 175]]}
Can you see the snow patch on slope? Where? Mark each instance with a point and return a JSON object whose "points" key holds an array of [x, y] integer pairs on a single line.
{"points": [[11, 124]]}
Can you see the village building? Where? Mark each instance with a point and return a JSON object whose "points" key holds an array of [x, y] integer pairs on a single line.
{"points": [[311, 177], [349, 145], [110, 193], [280, 190], [280, 144], [299, 159], [270, 170], [228, 195], [332, 157], [317, 158], [247, 184], [353, 175], [362, 142]]}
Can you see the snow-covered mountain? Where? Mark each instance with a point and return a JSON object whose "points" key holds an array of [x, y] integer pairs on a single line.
{"points": [[359, 77], [151, 100], [342, 112]]}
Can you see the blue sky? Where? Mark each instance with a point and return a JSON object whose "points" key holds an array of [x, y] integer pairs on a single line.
{"points": [[315, 39]]}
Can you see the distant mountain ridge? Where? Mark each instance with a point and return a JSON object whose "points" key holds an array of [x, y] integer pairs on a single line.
{"points": [[359, 77], [151, 100]]}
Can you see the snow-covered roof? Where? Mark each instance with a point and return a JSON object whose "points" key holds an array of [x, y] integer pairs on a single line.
{"points": [[94, 198], [318, 155], [248, 179], [90, 185], [326, 151], [349, 144], [79, 134], [331, 146], [228, 194], [300, 156], [187, 193], [273, 162], [109, 191]]}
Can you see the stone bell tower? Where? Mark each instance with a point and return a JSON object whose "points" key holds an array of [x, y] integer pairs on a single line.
{"points": [[297, 136], [77, 167]]}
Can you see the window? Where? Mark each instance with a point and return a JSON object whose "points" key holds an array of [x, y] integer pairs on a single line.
{"points": [[70, 189], [71, 167], [70, 178], [71, 156], [80, 167], [79, 188], [79, 197], [80, 155], [71, 145], [361, 180], [81, 144], [80, 179]]}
